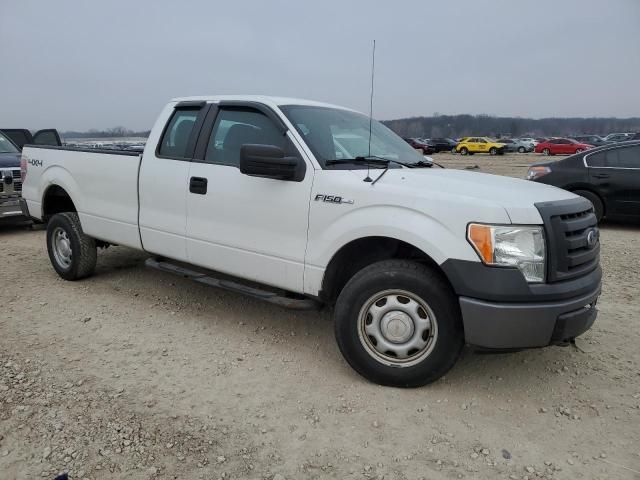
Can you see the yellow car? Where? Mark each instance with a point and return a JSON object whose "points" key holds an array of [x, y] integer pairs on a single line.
{"points": [[471, 145]]}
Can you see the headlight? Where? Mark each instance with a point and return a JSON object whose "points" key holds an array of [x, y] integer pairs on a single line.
{"points": [[537, 172], [511, 245]]}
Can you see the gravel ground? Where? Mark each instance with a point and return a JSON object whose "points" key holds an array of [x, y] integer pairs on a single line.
{"points": [[137, 374]]}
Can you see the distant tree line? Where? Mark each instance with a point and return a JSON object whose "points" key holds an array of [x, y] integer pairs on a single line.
{"points": [[456, 126], [108, 133]]}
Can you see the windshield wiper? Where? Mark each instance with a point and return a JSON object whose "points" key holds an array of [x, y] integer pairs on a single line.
{"points": [[360, 160]]}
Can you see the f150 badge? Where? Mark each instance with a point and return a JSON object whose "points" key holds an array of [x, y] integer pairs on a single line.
{"points": [[332, 199]]}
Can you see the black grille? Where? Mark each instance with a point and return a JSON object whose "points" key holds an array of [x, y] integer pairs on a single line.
{"points": [[567, 226]]}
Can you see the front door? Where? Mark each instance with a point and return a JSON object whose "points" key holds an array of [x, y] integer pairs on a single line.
{"points": [[616, 172], [250, 227]]}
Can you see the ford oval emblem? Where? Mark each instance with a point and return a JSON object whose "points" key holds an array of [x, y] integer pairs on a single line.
{"points": [[592, 237]]}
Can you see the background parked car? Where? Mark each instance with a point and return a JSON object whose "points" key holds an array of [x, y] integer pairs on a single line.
{"points": [[471, 145], [10, 179], [619, 137], [608, 176], [22, 137], [595, 140], [561, 146], [531, 140], [425, 146], [517, 145], [443, 144]]}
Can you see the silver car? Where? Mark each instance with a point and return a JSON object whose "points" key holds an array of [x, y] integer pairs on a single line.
{"points": [[516, 145]]}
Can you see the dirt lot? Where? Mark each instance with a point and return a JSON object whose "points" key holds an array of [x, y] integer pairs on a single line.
{"points": [[135, 374]]}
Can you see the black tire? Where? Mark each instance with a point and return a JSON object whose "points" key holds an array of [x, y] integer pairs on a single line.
{"points": [[83, 252], [598, 206], [522, 149], [420, 281], [546, 151], [464, 151], [493, 151]]}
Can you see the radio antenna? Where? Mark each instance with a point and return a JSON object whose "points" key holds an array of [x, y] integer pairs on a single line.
{"points": [[373, 71]]}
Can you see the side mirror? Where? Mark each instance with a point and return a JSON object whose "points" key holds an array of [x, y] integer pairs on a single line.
{"points": [[269, 161]]}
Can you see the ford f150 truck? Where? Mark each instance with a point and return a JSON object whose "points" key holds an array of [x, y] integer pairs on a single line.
{"points": [[267, 197]]}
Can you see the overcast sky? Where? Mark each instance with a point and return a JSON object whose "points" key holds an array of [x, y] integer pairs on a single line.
{"points": [[86, 64]]}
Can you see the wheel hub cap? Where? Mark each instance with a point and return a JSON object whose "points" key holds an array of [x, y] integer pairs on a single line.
{"points": [[397, 327], [62, 248]]}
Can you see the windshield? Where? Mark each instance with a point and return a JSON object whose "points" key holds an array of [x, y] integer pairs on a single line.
{"points": [[335, 134], [6, 145]]}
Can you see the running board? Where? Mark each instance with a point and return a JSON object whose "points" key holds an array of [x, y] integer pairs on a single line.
{"points": [[220, 281]]}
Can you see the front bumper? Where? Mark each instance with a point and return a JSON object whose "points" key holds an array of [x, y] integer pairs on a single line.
{"points": [[527, 325], [500, 310]]}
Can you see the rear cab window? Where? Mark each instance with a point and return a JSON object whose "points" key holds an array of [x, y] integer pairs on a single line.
{"points": [[178, 140]]}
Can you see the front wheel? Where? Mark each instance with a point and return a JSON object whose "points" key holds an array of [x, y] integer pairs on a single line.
{"points": [[493, 151], [579, 150], [522, 149], [546, 151], [398, 324], [72, 253], [464, 151]]}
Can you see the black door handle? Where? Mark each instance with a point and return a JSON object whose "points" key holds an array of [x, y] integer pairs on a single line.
{"points": [[601, 175], [198, 185]]}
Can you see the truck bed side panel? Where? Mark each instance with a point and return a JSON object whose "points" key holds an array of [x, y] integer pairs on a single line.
{"points": [[103, 187]]}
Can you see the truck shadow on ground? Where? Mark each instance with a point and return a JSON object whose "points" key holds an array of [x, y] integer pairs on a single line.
{"points": [[123, 270]]}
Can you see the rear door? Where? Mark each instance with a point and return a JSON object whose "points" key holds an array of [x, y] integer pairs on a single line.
{"points": [[250, 227], [164, 181], [616, 173]]}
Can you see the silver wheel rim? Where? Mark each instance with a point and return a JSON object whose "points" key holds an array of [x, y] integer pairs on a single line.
{"points": [[397, 328], [546, 151], [61, 247]]}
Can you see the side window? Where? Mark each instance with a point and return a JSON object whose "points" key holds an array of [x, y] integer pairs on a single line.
{"points": [[237, 127], [597, 159], [627, 157], [176, 136], [481, 140]]}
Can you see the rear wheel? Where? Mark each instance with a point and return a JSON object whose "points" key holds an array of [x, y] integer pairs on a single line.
{"points": [[72, 253], [493, 151], [546, 151], [464, 151], [398, 323], [598, 206]]}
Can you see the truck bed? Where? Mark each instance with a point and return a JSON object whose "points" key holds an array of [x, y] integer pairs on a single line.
{"points": [[102, 182]]}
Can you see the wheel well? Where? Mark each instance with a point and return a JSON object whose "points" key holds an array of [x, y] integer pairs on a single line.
{"points": [[56, 200], [357, 254]]}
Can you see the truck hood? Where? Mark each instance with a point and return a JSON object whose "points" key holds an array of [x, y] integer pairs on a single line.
{"points": [[517, 197], [9, 160]]}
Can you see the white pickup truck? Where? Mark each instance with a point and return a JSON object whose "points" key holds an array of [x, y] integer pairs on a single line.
{"points": [[306, 204]]}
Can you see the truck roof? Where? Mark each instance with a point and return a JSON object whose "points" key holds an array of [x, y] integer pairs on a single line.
{"points": [[268, 100]]}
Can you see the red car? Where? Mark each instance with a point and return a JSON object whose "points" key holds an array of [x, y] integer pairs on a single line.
{"points": [[561, 146], [427, 148]]}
